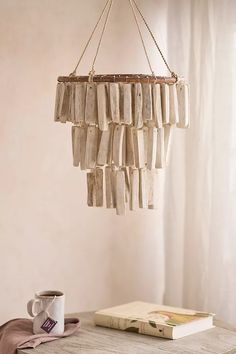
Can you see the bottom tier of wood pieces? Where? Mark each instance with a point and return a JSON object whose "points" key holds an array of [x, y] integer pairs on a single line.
{"points": [[122, 189]]}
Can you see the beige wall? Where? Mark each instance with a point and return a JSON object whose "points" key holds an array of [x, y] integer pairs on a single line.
{"points": [[49, 238]]}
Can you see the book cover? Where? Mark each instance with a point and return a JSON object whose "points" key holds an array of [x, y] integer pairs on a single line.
{"points": [[154, 320]]}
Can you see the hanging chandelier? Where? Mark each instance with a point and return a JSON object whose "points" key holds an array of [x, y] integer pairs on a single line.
{"points": [[122, 126]]}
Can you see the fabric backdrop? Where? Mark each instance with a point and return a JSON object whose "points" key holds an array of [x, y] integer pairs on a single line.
{"points": [[200, 189]]}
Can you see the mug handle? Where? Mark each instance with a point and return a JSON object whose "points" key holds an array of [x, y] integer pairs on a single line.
{"points": [[31, 307]]}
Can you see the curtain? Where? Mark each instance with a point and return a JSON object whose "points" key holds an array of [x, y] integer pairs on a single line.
{"points": [[200, 183]]}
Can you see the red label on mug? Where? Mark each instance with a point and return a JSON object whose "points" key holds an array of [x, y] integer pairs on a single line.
{"points": [[48, 325]]}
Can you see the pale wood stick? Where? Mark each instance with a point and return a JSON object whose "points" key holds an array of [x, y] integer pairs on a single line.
{"points": [[147, 102], [157, 110], [145, 141], [160, 158], [90, 188], [59, 100], [152, 189], [183, 101], [65, 110], [168, 131], [143, 191], [165, 104], [99, 186], [75, 145], [117, 145], [127, 184], [139, 157], [114, 97], [129, 147], [134, 189], [174, 109], [91, 113], [91, 147], [127, 103], [152, 148], [71, 117], [82, 146], [113, 185], [80, 97], [124, 148], [109, 191], [102, 106], [104, 145], [110, 150], [138, 106], [120, 192]]}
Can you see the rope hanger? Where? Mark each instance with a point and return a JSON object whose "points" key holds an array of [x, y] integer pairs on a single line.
{"points": [[136, 11]]}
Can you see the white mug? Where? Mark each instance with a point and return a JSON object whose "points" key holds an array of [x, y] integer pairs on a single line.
{"points": [[48, 311]]}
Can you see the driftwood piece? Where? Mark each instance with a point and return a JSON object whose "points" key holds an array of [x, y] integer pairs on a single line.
{"points": [[91, 112], [99, 187], [183, 101], [129, 147], [165, 104], [174, 109], [114, 96], [65, 110], [143, 190], [109, 188], [59, 100], [152, 148], [139, 156], [127, 103], [102, 106], [120, 192], [127, 183], [75, 145], [82, 144], [157, 109], [124, 148], [79, 102], [160, 157], [145, 142], [168, 131], [91, 147], [118, 145], [134, 189], [104, 145], [138, 106], [91, 198], [147, 102]]}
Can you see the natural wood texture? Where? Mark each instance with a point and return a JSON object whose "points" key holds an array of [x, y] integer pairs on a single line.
{"points": [[92, 339], [65, 109], [75, 145], [183, 101], [168, 131], [82, 146], [160, 158], [138, 106], [104, 146], [90, 189], [127, 103], [102, 101], [91, 147], [109, 191], [79, 102], [151, 148], [134, 189], [99, 187], [174, 109], [157, 110], [129, 147], [59, 100], [114, 94], [138, 148], [118, 145], [128, 78], [143, 190], [147, 102], [120, 192], [165, 104], [91, 112], [152, 189]]}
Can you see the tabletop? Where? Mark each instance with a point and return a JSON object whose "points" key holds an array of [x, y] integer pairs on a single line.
{"points": [[98, 340]]}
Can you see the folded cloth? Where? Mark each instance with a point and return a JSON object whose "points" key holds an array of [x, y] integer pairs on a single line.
{"points": [[18, 334]]}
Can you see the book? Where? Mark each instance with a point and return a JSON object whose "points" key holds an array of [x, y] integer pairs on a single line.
{"points": [[154, 320]]}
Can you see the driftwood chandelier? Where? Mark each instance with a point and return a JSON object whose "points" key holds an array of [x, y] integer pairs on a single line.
{"points": [[122, 126]]}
